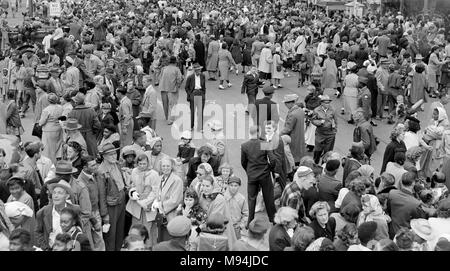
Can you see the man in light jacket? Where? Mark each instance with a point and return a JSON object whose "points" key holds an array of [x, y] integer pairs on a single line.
{"points": [[170, 83]]}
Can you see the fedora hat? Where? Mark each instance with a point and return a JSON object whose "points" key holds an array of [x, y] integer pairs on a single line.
{"points": [[64, 185], [422, 228], [197, 66], [107, 148], [144, 115], [71, 124], [290, 98], [79, 98], [418, 57], [64, 167]]}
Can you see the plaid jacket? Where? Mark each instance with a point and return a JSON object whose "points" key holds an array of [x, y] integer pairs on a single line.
{"points": [[292, 197]]}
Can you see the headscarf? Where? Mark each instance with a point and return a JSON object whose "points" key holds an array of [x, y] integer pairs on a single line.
{"points": [[58, 34], [366, 170], [153, 141], [371, 209]]}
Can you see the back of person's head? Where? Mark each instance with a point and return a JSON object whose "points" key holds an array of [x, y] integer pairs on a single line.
{"points": [[142, 230], [399, 158], [303, 237], [32, 148], [23, 236], [404, 239], [408, 179], [350, 212], [387, 179], [387, 245]]}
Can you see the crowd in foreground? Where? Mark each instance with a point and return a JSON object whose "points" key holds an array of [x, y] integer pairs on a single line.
{"points": [[100, 177]]}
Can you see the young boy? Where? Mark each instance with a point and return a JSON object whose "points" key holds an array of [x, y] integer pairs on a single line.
{"points": [[237, 204], [5, 84], [186, 151]]}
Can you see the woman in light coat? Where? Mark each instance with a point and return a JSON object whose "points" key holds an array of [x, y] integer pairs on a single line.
{"points": [[226, 61], [52, 134], [144, 185], [350, 92], [212, 61], [277, 75], [170, 195], [265, 62]]}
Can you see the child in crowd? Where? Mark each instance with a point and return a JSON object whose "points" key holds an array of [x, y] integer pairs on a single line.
{"points": [[225, 171], [303, 71], [237, 204], [186, 150], [63, 242]]}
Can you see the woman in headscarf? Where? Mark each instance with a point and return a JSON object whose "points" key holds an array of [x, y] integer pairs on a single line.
{"points": [[372, 211], [432, 159], [155, 155], [52, 134]]}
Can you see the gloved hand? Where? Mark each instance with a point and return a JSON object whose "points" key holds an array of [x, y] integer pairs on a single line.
{"points": [[155, 205], [105, 228], [134, 195]]}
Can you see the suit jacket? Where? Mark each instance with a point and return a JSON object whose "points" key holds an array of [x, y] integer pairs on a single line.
{"points": [[171, 79], [190, 86], [266, 109], [171, 195], [278, 238], [255, 160], [44, 227], [250, 84], [329, 190]]}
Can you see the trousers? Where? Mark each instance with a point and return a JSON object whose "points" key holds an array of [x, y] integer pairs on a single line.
{"points": [[115, 236], [197, 102], [267, 190]]}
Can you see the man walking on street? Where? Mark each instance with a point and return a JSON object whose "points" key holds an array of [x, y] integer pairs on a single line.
{"points": [[171, 79], [196, 95]]}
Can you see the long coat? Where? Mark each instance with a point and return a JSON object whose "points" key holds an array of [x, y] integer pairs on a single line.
{"points": [[225, 62], [87, 117], [213, 56], [199, 48], [146, 184], [265, 61], [52, 135], [295, 128], [126, 122], [171, 195]]}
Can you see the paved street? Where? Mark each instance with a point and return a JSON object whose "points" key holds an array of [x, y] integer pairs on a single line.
{"points": [[233, 96]]}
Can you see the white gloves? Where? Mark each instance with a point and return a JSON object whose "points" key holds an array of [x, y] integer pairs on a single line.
{"points": [[156, 205], [105, 228], [134, 195]]}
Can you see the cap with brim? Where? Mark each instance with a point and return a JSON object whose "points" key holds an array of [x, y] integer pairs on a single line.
{"points": [[197, 66], [268, 90], [385, 62], [107, 148], [64, 167], [234, 179], [14, 179], [128, 151], [79, 98], [144, 115], [290, 98], [71, 124]]}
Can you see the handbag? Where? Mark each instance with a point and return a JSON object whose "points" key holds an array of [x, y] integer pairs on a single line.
{"points": [[37, 130], [279, 68], [161, 219]]}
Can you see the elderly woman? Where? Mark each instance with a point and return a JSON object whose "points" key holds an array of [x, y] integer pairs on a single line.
{"points": [[204, 155], [396, 145], [433, 134], [170, 196], [281, 233], [226, 61], [155, 155], [52, 135], [144, 187], [322, 224], [346, 237], [204, 170], [303, 237], [372, 211]]}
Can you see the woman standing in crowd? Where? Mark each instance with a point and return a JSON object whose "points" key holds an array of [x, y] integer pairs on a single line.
{"points": [[51, 129], [226, 62]]}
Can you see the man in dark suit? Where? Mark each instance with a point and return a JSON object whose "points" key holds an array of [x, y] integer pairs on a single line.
{"points": [[196, 95], [265, 109], [199, 48], [276, 148], [328, 185], [250, 86], [255, 161]]}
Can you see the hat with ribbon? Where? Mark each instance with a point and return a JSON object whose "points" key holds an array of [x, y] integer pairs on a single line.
{"points": [[62, 184], [197, 66], [290, 98], [107, 148], [71, 124], [422, 228], [64, 167]]}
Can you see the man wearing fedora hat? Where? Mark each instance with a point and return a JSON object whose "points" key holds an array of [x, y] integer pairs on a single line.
{"points": [[169, 85], [196, 95], [48, 218], [295, 127], [88, 120], [113, 186], [325, 119]]}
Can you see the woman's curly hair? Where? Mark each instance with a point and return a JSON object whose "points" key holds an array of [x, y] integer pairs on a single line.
{"points": [[349, 232]]}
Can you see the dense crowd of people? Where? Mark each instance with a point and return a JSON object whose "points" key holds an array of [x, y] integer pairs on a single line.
{"points": [[100, 177]]}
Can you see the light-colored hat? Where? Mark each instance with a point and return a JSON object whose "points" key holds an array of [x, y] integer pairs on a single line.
{"points": [[290, 98], [371, 69], [70, 60], [303, 171], [179, 226], [197, 66], [351, 65], [324, 98], [62, 184], [107, 148], [366, 63], [64, 167], [17, 208], [153, 141], [422, 228], [418, 57], [186, 134], [79, 98], [71, 124], [215, 125]]}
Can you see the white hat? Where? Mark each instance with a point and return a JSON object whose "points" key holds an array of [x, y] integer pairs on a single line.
{"points": [[70, 60], [422, 228], [17, 208], [186, 134], [366, 63]]}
